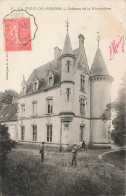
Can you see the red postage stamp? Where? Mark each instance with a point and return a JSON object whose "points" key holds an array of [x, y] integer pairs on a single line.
{"points": [[17, 34]]}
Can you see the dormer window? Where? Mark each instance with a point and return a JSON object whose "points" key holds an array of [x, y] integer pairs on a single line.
{"points": [[35, 85], [51, 79]]}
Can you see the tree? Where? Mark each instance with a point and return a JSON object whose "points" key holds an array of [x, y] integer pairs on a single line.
{"points": [[119, 106], [7, 97], [6, 145], [118, 133], [1, 94]]}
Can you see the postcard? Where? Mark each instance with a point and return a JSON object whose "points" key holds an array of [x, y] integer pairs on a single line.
{"points": [[62, 65]]}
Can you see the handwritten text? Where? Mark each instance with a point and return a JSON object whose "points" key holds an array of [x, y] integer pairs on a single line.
{"points": [[114, 47]]}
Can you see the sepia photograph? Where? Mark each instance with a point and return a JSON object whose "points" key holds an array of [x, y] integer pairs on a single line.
{"points": [[62, 97]]}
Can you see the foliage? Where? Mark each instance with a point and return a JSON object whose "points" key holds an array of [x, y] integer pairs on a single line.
{"points": [[118, 133], [7, 97], [28, 176], [108, 112], [6, 144]]}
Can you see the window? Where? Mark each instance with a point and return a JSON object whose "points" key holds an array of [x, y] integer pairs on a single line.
{"points": [[49, 106], [34, 133], [22, 132], [82, 105], [68, 66], [81, 133], [68, 93], [50, 81], [35, 85], [82, 82], [49, 133], [23, 110], [34, 108], [51, 77]]}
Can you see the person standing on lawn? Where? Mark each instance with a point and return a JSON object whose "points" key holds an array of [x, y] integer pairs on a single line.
{"points": [[74, 152], [42, 152], [83, 145]]}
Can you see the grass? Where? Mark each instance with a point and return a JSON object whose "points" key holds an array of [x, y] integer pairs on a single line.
{"points": [[26, 175], [116, 158]]}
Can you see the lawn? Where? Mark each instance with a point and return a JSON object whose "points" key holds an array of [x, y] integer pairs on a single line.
{"points": [[26, 175], [116, 158]]}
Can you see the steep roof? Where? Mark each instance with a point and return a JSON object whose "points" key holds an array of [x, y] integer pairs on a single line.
{"points": [[98, 66], [9, 113], [81, 61], [42, 74], [67, 46]]}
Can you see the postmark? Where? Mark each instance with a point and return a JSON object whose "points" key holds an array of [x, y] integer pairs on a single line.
{"points": [[18, 32]]}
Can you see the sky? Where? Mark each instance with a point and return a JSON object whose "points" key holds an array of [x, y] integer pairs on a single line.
{"points": [[52, 31]]}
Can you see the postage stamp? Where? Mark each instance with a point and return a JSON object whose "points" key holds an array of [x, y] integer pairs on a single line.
{"points": [[17, 34]]}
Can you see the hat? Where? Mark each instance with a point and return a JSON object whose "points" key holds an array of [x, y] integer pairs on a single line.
{"points": [[75, 144], [43, 142]]}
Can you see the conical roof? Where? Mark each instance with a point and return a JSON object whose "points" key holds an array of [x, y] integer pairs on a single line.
{"points": [[99, 66], [67, 46]]}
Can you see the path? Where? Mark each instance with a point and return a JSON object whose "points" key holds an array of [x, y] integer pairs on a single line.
{"points": [[115, 149]]}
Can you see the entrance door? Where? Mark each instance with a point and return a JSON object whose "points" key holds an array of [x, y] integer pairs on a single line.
{"points": [[66, 133]]}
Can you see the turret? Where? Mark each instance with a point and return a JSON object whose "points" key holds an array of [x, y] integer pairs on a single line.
{"points": [[67, 78], [100, 96], [67, 61]]}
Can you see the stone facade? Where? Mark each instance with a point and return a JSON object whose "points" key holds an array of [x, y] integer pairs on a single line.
{"points": [[62, 102]]}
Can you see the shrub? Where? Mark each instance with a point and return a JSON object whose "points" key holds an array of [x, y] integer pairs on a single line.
{"points": [[6, 144]]}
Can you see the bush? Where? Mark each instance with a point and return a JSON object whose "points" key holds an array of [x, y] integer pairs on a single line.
{"points": [[6, 144]]}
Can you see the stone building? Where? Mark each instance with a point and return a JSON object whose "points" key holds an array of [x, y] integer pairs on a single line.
{"points": [[63, 101]]}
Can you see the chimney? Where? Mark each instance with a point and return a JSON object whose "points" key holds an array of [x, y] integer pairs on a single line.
{"points": [[81, 40], [57, 53]]}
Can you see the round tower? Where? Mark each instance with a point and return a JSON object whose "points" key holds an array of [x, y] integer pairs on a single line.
{"points": [[100, 96], [66, 93], [67, 79]]}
